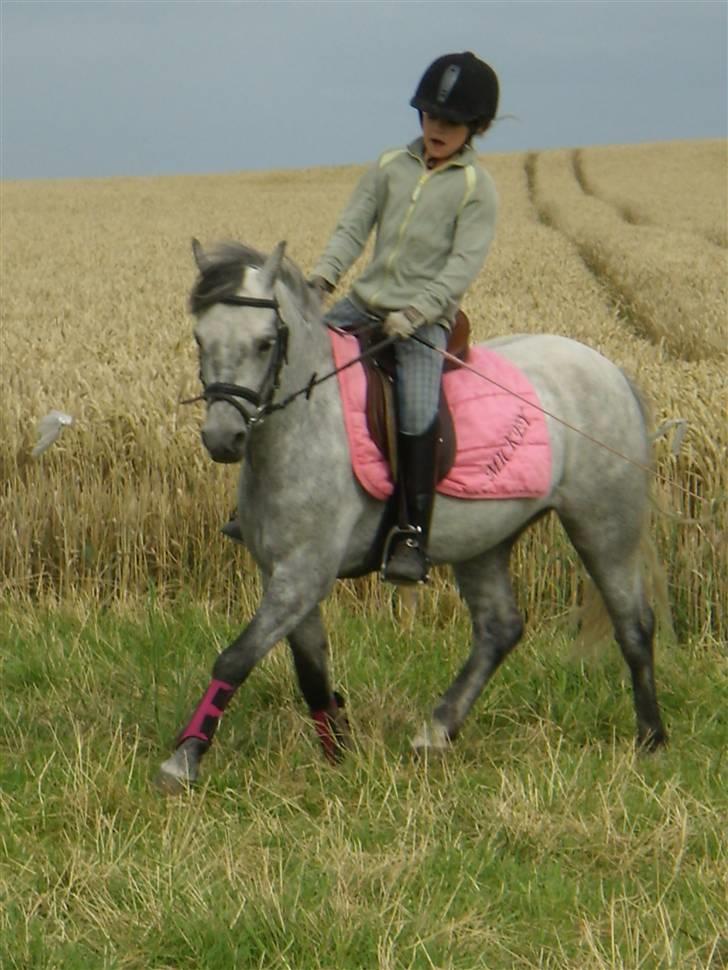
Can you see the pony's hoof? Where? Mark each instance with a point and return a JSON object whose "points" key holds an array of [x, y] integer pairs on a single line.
{"points": [[652, 741], [171, 785], [175, 775], [431, 739]]}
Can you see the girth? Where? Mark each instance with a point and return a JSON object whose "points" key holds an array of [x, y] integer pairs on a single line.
{"points": [[381, 406]]}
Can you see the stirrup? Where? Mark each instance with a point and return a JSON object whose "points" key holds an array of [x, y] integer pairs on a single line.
{"points": [[409, 537]]}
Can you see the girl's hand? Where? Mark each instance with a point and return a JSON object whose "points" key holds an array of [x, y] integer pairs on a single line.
{"points": [[403, 323], [321, 287]]}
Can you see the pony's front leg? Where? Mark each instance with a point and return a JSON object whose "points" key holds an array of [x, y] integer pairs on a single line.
{"points": [[285, 603]]}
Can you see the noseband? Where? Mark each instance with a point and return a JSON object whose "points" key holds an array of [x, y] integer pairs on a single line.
{"points": [[231, 393]]}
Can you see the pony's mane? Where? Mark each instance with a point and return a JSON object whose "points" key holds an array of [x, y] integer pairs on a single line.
{"points": [[224, 271]]}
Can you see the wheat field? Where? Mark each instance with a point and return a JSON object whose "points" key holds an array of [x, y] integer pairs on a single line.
{"points": [[621, 247], [543, 840]]}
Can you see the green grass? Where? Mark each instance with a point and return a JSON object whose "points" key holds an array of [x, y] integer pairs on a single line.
{"points": [[542, 840]]}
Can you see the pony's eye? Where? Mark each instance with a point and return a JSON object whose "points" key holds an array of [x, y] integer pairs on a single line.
{"points": [[263, 346]]}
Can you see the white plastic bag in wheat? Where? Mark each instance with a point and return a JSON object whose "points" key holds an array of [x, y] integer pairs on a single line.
{"points": [[49, 430]]}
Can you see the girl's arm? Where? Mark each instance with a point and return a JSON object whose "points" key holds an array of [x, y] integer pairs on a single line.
{"points": [[352, 231]]}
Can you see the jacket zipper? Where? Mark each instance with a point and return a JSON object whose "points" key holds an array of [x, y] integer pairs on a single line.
{"points": [[400, 235], [406, 221]]}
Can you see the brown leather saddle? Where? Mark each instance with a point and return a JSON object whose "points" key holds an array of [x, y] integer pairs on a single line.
{"points": [[380, 406]]}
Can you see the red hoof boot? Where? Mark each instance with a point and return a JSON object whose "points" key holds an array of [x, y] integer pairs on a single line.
{"points": [[332, 728]]}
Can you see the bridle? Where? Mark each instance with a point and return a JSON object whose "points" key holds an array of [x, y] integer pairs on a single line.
{"points": [[263, 400], [233, 393]]}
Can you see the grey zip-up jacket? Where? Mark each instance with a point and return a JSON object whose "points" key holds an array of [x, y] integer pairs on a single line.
{"points": [[433, 231]]}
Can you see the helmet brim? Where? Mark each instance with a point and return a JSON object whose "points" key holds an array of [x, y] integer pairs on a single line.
{"points": [[438, 111]]}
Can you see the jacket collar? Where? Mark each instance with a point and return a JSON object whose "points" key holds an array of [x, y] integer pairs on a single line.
{"points": [[466, 156]]}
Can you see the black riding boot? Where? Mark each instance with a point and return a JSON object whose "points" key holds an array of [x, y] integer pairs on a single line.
{"points": [[406, 560], [231, 529]]}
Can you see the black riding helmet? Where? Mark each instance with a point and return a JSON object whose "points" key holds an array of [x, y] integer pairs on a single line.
{"points": [[459, 88]]}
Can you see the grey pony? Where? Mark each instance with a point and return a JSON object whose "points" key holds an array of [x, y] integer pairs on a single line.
{"points": [[307, 521]]}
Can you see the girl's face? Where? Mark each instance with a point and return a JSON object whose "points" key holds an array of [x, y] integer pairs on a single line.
{"points": [[442, 138]]}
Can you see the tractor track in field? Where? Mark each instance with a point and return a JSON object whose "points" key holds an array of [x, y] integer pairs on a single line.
{"points": [[655, 281], [628, 213], [625, 212], [615, 299]]}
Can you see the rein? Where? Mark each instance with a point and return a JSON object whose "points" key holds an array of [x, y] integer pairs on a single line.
{"points": [[316, 380], [264, 403], [680, 423]]}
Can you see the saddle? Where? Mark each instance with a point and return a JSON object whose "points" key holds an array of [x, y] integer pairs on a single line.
{"points": [[380, 372]]}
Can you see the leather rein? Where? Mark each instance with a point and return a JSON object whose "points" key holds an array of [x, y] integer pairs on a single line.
{"points": [[265, 405], [262, 400]]}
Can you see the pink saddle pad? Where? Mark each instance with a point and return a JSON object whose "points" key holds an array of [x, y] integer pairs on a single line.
{"points": [[503, 448]]}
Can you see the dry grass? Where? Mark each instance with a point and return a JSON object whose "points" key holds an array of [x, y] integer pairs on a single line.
{"points": [[95, 278], [542, 841]]}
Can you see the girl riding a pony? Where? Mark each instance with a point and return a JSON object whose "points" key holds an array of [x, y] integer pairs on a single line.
{"points": [[433, 208]]}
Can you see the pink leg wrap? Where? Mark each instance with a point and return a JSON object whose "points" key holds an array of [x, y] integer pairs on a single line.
{"points": [[209, 711]]}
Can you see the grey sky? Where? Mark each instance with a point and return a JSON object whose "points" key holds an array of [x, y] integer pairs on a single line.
{"points": [[110, 87]]}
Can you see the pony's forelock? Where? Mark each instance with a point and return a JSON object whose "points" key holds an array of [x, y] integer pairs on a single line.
{"points": [[223, 272]]}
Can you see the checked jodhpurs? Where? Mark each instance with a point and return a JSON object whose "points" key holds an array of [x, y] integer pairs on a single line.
{"points": [[419, 369]]}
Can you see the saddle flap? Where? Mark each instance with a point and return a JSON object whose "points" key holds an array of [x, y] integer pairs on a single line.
{"points": [[503, 447], [458, 343]]}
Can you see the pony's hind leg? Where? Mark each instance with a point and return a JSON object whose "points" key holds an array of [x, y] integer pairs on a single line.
{"points": [[485, 585], [311, 659], [611, 556]]}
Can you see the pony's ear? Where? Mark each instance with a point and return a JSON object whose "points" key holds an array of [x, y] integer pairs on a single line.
{"points": [[288, 309], [271, 267], [199, 253]]}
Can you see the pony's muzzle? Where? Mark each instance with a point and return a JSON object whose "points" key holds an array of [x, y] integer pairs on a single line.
{"points": [[226, 453], [224, 433]]}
